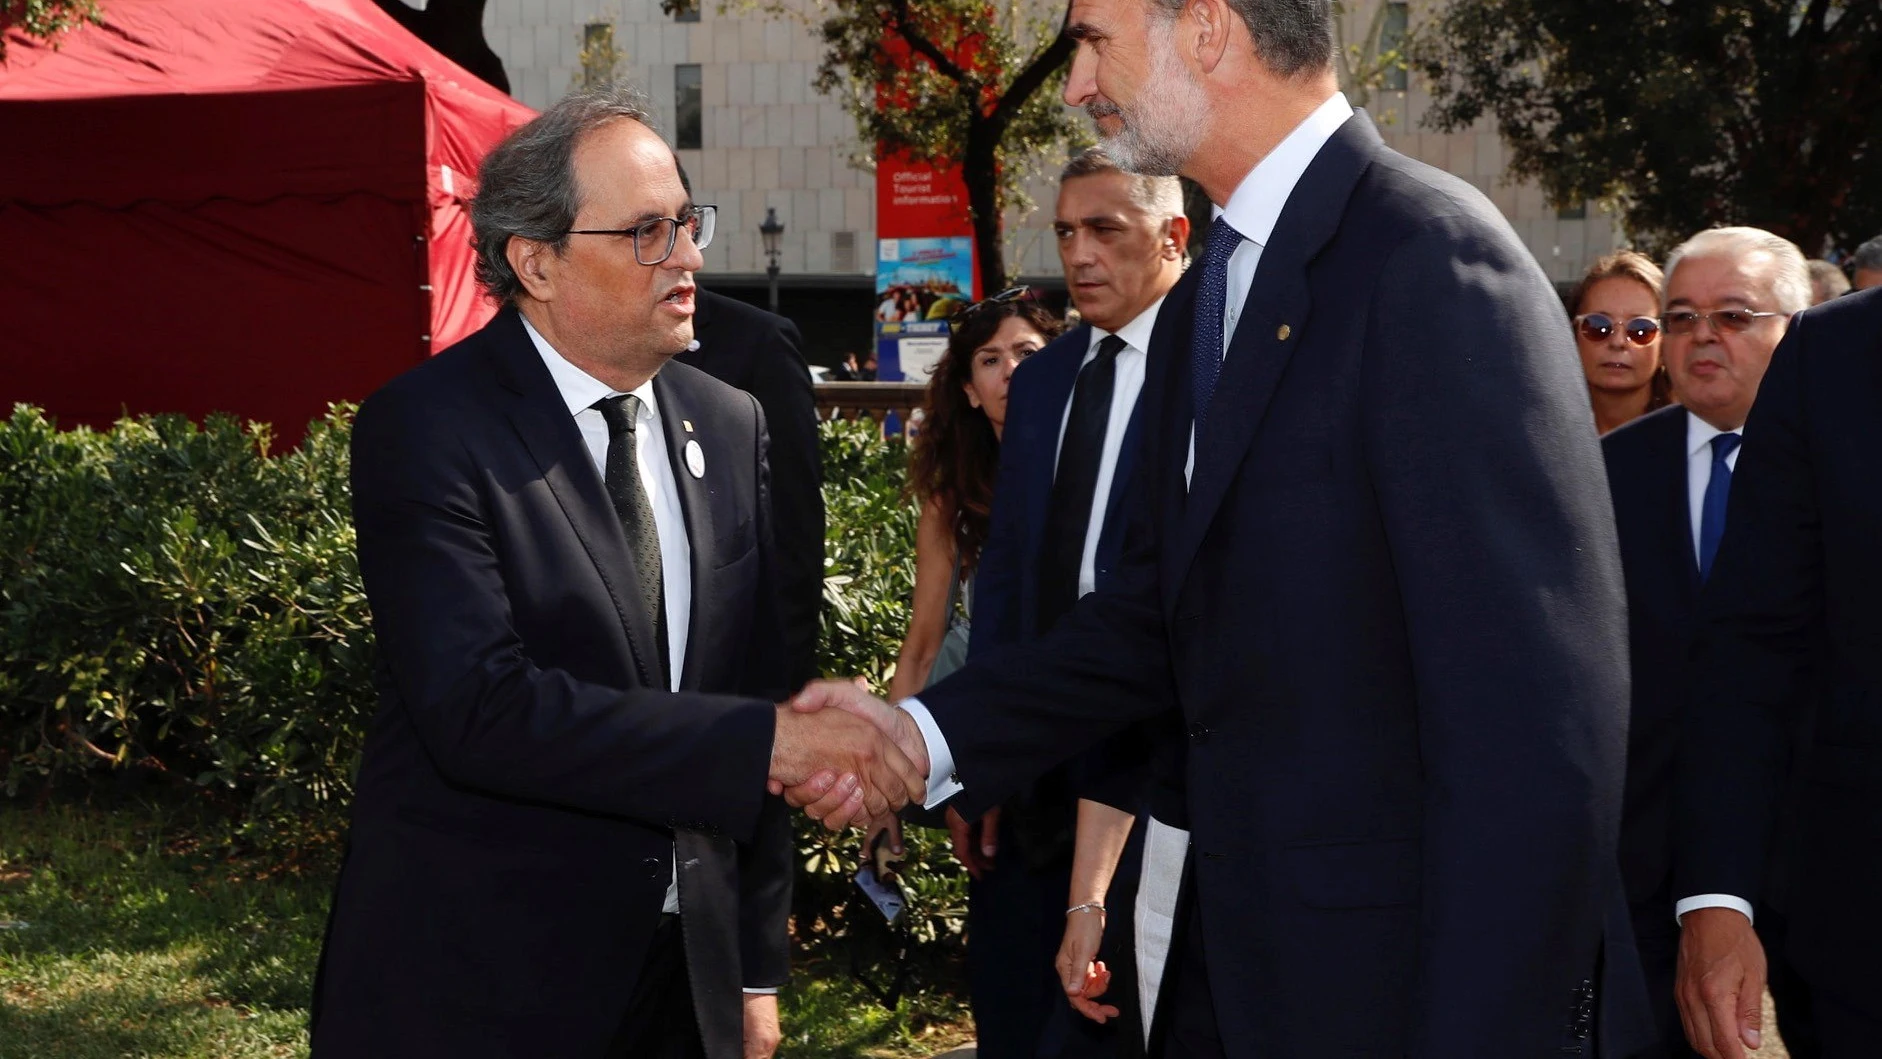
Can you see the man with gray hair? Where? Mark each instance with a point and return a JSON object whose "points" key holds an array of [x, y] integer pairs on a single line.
{"points": [[1865, 265], [1728, 295], [562, 842], [1827, 281]]}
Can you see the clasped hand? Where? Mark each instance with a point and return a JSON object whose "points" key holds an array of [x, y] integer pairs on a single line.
{"points": [[844, 756]]}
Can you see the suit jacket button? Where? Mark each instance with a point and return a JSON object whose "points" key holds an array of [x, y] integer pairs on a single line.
{"points": [[1199, 732]]}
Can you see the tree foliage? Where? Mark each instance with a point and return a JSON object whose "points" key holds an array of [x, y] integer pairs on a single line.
{"points": [[956, 81], [44, 19], [1683, 113]]}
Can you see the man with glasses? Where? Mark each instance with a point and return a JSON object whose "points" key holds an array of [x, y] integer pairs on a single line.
{"points": [[1787, 674], [562, 842], [1728, 295]]}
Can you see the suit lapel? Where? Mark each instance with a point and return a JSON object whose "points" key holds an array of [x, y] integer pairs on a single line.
{"points": [[1055, 394], [1677, 511], [696, 504], [542, 421], [1273, 324]]}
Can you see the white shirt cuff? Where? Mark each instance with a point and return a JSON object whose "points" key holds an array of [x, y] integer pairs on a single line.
{"points": [[1693, 904], [942, 782], [772, 991]]}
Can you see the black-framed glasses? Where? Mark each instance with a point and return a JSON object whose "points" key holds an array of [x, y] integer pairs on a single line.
{"points": [[1599, 327], [654, 239], [1010, 294], [1723, 321]]}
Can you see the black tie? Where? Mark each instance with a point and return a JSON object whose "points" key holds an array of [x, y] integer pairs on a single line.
{"points": [[1076, 484], [630, 502]]}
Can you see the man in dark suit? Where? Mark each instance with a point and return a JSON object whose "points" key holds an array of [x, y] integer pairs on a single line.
{"points": [[1057, 529], [1670, 473], [566, 542], [762, 353], [1372, 562], [1792, 599]]}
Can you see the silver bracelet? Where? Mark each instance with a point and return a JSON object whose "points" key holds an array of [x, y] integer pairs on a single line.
{"points": [[1089, 907]]}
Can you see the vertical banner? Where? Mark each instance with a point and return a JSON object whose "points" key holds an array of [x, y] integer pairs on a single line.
{"points": [[924, 262]]}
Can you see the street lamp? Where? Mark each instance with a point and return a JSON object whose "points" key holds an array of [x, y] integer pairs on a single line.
{"points": [[772, 229]]}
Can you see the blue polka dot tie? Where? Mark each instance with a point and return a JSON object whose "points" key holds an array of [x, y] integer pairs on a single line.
{"points": [[1205, 351], [1712, 506]]}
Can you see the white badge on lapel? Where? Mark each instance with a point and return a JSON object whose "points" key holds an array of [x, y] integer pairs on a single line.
{"points": [[695, 459]]}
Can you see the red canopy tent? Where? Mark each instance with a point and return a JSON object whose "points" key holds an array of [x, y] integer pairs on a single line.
{"points": [[246, 206]]}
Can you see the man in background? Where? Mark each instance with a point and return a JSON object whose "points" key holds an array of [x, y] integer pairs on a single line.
{"points": [[761, 353], [1057, 531], [1826, 281], [1865, 265], [1788, 677], [1729, 292]]}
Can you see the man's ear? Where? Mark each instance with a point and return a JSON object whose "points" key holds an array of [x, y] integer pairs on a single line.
{"points": [[534, 263], [1209, 25], [1176, 242]]}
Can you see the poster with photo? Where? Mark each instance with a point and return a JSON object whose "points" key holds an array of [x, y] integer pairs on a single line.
{"points": [[920, 284]]}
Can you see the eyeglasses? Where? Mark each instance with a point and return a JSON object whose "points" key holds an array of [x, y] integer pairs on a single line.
{"points": [[1010, 294], [1723, 321], [654, 239], [1599, 327]]}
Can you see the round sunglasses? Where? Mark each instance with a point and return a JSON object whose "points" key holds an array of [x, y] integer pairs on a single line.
{"points": [[1599, 327]]}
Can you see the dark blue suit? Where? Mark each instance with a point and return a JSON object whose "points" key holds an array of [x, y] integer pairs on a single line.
{"points": [[1791, 615], [1015, 918], [1389, 607]]}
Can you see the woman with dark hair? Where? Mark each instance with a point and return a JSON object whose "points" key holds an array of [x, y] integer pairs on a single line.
{"points": [[1616, 312], [954, 460]]}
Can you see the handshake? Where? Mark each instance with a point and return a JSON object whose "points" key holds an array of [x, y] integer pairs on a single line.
{"points": [[846, 757]]}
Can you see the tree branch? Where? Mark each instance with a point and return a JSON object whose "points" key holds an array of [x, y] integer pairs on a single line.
{"points": [[927, 48], [1043, 66]]}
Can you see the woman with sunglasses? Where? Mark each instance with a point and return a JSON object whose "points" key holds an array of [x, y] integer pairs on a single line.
{"points": [[1616, 309]]}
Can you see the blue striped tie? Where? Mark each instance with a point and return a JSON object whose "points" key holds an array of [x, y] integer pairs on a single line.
{"points": [[1205, 351]]}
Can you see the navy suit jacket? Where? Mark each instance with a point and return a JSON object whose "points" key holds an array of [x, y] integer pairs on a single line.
{"points": [[1646, 465], [1389, 606], [1795, 597], [528, 777]]}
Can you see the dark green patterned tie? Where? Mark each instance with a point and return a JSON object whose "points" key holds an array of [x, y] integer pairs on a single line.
{"points": [[630, 503]]}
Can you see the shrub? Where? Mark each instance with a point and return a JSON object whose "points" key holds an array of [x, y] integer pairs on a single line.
{"points": [[176, 601]]}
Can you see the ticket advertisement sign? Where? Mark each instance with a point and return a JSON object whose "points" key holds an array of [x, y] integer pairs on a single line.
{"points": [[920, 284]]}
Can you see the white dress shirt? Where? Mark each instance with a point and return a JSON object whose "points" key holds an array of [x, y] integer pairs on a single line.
{"points": [[580, 391], [1253, 210], [1127, 384], [1699, 435]]}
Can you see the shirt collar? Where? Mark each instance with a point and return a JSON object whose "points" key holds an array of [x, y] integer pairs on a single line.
{"points": [[1136, 334], [580, 390], [1699, 433], [1255, 207]]}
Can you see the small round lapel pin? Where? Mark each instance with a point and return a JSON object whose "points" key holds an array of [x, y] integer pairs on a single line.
{"points": [[695, 459]]}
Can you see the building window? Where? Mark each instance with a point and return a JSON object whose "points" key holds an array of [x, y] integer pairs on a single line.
{"points": [[682, 10], [1577, 212], [1392, 38], [687, 113], [842, 251]]}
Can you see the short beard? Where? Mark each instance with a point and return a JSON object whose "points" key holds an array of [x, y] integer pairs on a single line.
{"points": [[1162, 129]]}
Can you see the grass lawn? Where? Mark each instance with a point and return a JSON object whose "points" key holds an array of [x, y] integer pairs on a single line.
{"points": [[119, 936]]}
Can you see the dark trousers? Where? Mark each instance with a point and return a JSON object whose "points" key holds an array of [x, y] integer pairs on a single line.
{"points": [[1844, 1031], [1185, 1020], [1659, 962], [1015, 921], [660, 1022]]}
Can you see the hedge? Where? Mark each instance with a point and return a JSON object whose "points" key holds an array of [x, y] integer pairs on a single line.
{"points": [[176, 602]]}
